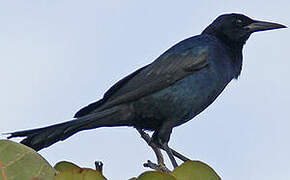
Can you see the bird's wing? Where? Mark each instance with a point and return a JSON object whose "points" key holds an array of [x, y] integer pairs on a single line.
{"points": [[91, 107], [163, 72]]}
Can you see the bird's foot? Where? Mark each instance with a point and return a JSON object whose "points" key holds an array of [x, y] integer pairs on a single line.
{"points": [[157, 167]]}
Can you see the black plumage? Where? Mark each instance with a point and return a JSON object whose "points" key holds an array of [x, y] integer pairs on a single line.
{"points": [[170, 91]]}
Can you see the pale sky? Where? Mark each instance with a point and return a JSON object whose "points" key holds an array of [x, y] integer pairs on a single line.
{"points": [[59, 55]]}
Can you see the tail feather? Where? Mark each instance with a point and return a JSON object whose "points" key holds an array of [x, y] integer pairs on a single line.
{"points": [[46, 136]]}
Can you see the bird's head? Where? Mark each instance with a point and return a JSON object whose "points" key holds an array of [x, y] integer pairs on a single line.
{"points": [[235, 29]]}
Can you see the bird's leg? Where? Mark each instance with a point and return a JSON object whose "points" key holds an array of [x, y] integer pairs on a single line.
{"points": [[161, 138], [179, 156], [170, 154], [160, 166], [154, 147], [160, 160]]}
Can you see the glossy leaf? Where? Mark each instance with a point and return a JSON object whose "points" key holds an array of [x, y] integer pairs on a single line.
{"points": [[156, 175], [64, 165], [195, 170], [79, 174], [18, 161]]}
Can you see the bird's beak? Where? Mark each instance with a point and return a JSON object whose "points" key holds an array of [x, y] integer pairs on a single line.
{"points": [[263, 26]]}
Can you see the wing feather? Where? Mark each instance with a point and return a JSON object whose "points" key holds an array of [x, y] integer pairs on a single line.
{"points": [[158, 80], [173, 65]]}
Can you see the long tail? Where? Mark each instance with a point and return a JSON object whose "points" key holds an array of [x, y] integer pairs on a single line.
{"points": [[46, 136]]}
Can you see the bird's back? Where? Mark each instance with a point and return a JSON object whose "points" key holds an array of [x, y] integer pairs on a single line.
{"points": [[169, 62], [188, 48]]}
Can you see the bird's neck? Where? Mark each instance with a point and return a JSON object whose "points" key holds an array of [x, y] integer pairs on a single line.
{"points": [[235, 53], [237, 60], [233, 48]]}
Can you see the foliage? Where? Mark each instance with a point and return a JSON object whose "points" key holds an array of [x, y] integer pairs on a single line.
{"points": [[19, 162], [68, 170]]}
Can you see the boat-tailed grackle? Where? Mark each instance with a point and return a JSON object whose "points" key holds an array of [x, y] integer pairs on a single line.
{"points": [[168, 92]]}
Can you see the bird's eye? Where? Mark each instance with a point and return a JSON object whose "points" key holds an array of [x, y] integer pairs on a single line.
{"points": [[239, 22]]}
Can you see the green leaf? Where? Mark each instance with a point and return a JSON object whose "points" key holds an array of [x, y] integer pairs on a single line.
{"points": [[64, 165], [156, 175], [18, 161], [79, 174], [195, 170]]}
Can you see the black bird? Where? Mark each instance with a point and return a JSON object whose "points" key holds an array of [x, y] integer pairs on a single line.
{"points": [[170, 91]]}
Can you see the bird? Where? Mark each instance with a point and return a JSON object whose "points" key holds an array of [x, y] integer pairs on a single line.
{"points": [[168, 92]]}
